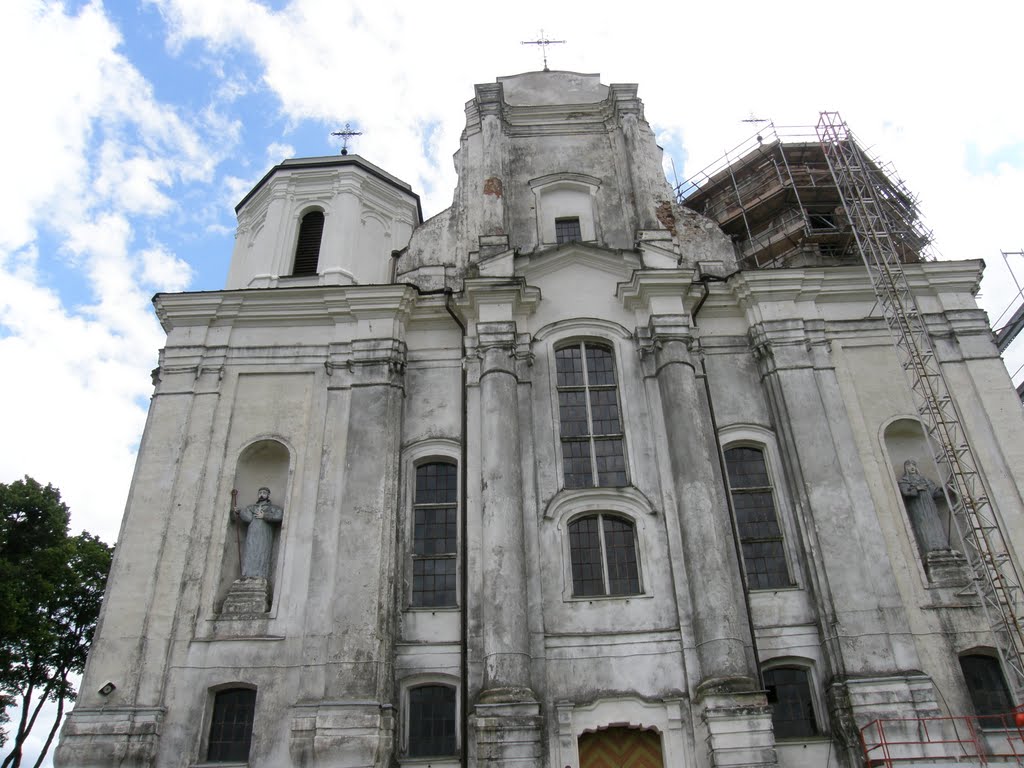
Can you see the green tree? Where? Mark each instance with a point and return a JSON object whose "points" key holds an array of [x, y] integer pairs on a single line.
{"points": [[52, 585]]}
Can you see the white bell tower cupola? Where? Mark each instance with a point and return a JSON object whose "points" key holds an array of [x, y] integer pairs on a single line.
{"points": [[322, 221]]}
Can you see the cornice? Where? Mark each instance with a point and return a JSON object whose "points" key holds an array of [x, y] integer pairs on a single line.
{"points": [[645, 284], [482, 291], [309, 305]]}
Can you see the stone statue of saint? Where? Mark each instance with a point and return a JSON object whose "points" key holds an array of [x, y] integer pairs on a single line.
{"points": [[919, 495], [259, 538]]}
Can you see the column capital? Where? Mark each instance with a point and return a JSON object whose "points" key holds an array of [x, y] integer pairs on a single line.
{"points": [[667, 339], [372, 362], [500, 349]]}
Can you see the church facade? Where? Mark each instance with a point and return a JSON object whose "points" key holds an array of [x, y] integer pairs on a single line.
{"points": [[550, 479]]}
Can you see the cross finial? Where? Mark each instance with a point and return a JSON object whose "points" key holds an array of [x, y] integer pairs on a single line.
{"points": [[543, 42], [346, 134]]}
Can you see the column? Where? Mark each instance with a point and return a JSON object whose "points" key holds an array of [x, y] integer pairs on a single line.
{"points": [[505, 631]]}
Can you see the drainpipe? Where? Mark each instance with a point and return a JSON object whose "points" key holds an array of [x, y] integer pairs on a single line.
{"points": [[704, 280], [463, 547]]}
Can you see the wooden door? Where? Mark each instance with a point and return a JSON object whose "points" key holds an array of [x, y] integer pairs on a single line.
{"points": [[621, 748]]}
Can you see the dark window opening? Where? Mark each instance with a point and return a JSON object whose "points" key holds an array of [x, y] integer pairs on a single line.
{"points": [[307, 250], [435, 526], [789, 693], [602, 551], [231, 725], [593, 445], [764, 555], [568, 230], [823, 220], [987, 687], [431, 721]]}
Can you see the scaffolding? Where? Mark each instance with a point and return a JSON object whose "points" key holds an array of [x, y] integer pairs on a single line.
{"points": [[869, 207], [775, 195]]}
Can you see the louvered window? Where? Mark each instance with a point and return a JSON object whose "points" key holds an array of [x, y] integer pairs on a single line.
{"points": [[307, 251]]}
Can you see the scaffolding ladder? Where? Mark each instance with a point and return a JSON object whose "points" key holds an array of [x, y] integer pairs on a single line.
{"points": [[866, 200]]}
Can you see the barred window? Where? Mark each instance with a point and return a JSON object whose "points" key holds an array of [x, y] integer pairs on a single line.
{"points": [[431, 721], [789, 693], [602, 551], [567, 230], [753, 500], [307, 248], [987, 688], [593, 448], [231, 725], [435, 535]]}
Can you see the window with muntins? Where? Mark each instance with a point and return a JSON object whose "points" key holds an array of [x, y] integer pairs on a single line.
{"points": [[431, 721], [307, 248], [753, 500], [435, 535], [602, 551], [987, 687], [231, 726], [568, 230], [593, 448], [789, 693]]}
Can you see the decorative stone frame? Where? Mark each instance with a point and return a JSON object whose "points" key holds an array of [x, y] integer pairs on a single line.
{"points": [[417, 680], [565, 195], [567, 332], [752, 436], [428, 451], [665, 717], [627, 503]]}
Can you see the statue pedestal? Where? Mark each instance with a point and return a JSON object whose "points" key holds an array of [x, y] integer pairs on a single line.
{"points": [[947, 568], [247, 596]]}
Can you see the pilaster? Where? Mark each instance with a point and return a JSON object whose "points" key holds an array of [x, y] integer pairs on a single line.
{"points": [[720, 624]]}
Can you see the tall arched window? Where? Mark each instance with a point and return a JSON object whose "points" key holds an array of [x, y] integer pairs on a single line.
{"points": [[435, 535], [764, 555], [602, 550], [231, 725], [789, 693], [593, 448], [431, 721], [987, 688], [307, 248]]}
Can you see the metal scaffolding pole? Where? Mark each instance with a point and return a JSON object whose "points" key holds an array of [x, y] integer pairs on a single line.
{"points": [[868, 201]]}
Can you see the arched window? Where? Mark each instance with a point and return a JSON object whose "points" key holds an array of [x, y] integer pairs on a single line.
{"points": [[987, 688], [753, 500], [231, 725], [431, 721], [435, 535], [789, 693], [602, 550], [593, 448], [307, 248]]}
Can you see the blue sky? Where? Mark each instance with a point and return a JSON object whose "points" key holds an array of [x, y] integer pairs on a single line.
{"points": [[132, 129]]}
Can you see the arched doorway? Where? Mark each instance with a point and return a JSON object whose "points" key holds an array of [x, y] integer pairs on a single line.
{"points": [[621, 748]]}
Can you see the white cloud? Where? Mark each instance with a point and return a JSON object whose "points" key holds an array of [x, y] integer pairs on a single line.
{"points": [[163, 271]]}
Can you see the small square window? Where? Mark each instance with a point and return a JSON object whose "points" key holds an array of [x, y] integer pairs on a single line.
{"points": [[568, 230]]}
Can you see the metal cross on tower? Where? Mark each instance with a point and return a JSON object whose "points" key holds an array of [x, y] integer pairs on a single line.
{"points": [[543, 42], [346, 134]]}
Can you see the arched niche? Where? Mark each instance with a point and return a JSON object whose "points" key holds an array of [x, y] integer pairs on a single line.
{"points": [[262, 463], [926, 510]]}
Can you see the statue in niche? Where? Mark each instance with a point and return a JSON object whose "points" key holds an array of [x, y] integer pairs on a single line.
{"points": [[260, 518], [919, 495]]}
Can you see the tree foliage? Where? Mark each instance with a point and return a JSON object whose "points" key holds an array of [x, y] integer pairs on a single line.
{"points": [[51, 587]]}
